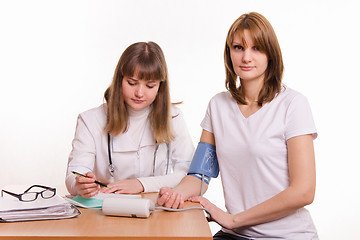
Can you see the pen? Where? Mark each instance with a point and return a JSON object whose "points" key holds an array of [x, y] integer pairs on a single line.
{"points": [[81, 175]]}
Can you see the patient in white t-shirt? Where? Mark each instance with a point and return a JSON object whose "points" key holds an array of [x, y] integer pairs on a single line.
{"points": [[263, 132]]}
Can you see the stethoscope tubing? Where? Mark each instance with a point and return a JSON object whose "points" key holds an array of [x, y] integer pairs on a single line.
{"points": [[111, 167]]}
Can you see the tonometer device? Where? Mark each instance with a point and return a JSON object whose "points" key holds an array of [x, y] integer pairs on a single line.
{"points": [[139, 208]]}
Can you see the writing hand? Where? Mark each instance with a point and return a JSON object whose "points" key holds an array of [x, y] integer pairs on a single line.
{"points": [[86, 186]]}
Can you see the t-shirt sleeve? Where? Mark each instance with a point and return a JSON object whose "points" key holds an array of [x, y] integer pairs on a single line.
{"points": [[206, 123], [299, 118]]}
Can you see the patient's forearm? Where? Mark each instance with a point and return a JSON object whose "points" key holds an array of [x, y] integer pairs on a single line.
{"points": [[190, 186]]}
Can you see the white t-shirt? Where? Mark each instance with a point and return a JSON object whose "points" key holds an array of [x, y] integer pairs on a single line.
{"points": [[252, 155]]}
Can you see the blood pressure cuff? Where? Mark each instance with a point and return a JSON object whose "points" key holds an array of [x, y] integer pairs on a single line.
{"points": [[204, 162]]}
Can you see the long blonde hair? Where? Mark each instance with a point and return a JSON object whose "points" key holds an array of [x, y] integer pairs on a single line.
{"points": [[147, 60], [265, 39]]}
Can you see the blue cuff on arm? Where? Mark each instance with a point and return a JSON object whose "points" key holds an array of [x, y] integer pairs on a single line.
{"points": [[204, 162]]}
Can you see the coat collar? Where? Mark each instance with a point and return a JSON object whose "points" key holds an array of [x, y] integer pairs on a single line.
{"points": [[124, 142]]}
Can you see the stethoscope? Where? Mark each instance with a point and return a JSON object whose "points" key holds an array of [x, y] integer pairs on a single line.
{"points": [[111, 167]]}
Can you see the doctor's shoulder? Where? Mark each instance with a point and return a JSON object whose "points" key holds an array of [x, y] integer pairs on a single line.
{"points": [[177, 117], [175, 111], [95, 118]]}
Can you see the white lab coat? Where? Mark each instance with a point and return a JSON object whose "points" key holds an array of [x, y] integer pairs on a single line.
{"points": [[90, 153]]}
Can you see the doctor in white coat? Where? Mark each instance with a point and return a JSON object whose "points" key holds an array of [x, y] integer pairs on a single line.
{"points": [[137, 141]]}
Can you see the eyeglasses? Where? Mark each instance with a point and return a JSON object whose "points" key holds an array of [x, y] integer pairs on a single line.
{"points": [[28, 196]]}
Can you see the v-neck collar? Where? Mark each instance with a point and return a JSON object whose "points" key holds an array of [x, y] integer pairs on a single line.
{"points": [[258, 112], [239, 113]]}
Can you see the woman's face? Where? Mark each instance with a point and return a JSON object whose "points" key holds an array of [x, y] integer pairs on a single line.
{"points": [[138, 93], [248, 62]]}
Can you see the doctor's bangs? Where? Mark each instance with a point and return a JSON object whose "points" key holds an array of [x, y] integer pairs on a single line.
{"points": [[148, 64]]}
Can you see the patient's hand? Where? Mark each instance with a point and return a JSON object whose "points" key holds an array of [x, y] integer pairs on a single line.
{"points": [[225, 219], [169, 198]]}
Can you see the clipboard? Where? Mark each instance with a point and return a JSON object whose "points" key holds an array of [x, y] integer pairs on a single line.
{"points": [[97, 200]]}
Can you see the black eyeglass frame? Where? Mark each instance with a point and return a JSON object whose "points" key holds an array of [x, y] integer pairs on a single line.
{"points": [[19, 196]]}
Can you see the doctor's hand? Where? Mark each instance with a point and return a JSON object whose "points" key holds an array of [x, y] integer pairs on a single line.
{"points": [[86, 187], [225, 219], [129, 186], [169, 198]]}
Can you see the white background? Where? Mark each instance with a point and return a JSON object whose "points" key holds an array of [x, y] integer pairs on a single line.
{"points": [[58, 57]]}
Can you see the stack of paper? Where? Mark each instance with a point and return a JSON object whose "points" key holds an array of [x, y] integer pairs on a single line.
{"points": [[13, 210]]}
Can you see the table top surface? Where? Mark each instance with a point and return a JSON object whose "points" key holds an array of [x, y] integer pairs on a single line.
{"points": [[92, 223]]}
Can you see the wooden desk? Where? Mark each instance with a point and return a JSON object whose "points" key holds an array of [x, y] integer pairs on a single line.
{"points": [[92, 224]]}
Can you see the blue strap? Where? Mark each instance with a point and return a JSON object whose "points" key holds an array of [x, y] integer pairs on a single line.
{"points": [[205, 161]]}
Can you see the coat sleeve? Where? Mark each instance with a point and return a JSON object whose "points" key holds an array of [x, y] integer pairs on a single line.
{"points": [[181, 153], [82, 156]]}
